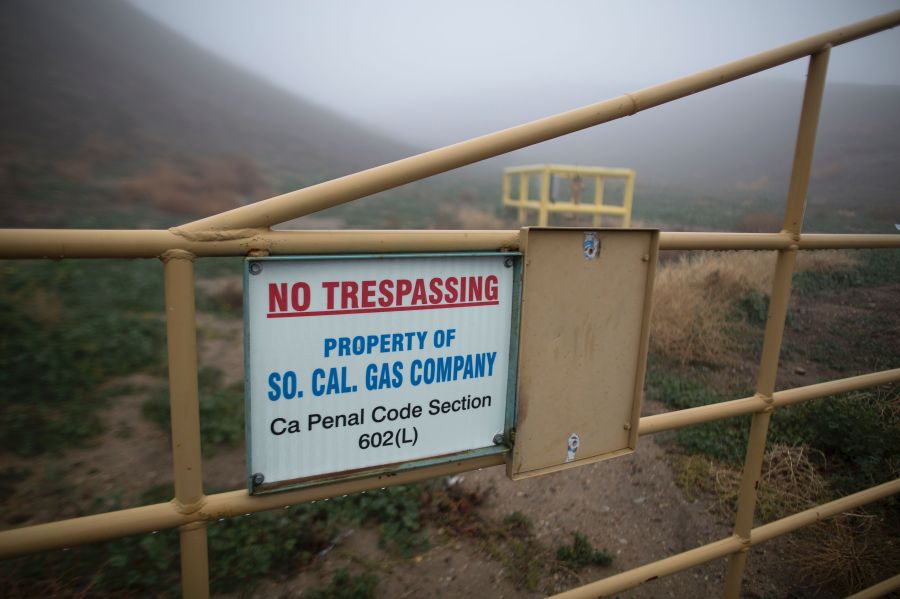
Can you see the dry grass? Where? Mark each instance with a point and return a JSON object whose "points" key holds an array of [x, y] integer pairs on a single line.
{"points": [[199, 186], [466, 215], [849, 552], [790, 482], [692, 303]]}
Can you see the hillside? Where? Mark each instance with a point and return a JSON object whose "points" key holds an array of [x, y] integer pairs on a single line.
{"points": [[100, 93], [739, 137]]}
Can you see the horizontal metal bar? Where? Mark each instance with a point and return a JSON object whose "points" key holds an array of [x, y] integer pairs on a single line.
{"points": [[878, 590], [824, 241], [773, 241], [741, 407], [57, 244], [724, 241], [769, 531], [664, 567], [602, 171], [364, 183], [585, 207], [112, 525], [85, 243], [706, 553]]}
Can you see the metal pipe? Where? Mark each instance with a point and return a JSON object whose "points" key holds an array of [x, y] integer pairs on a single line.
{"points": [[90, 529], [769, 531], [57, 244], [86, 243], [187, 463], [664, 567], [879, 590], [181, 333], [364, 183], [650, 425], [194, 561], [161, 516], [806, 141], [778, 305]]}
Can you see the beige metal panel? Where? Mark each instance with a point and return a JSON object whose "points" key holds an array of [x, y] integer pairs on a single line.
{"points": [[582, 346]]}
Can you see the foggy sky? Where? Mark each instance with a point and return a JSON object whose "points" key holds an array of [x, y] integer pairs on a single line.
{"points": [[376, 60]]}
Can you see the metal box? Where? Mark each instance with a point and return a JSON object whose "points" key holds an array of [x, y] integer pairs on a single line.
{"points": [[582, 345]]}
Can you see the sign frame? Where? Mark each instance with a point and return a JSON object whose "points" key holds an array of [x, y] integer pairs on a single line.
{"points": [[256, 484]]}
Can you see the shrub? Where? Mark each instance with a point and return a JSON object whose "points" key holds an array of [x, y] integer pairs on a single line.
{"points": [[581, 553], [694, 301]]}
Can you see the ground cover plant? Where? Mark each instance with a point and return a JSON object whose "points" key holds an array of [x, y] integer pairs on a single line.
{"points": [[817, 450], [65, 328]]}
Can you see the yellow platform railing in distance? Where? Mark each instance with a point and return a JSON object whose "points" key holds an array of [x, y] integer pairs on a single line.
{"points": [[519, 178]]}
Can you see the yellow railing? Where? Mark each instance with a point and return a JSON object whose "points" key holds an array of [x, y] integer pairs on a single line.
{"points": [[245, 231], [575, 175]]}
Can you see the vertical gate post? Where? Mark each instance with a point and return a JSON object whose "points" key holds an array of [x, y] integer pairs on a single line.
{"points": [[181, 332], [778, 305]]}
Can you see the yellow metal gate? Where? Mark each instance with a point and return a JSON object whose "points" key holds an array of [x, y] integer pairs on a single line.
{"points": [[246, 231]]}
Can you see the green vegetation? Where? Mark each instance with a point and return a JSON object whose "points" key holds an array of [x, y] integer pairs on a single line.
{"points": [[221, 411], [857, 433], [242, 550], [346, 586], [875, 268], [722, 439], [65, 328], [581, 553]]}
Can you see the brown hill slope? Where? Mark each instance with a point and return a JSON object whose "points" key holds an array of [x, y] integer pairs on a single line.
{"points": [[99, 91]]}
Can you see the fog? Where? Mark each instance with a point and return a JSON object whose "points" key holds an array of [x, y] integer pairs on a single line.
{"points": [[434, 72]]}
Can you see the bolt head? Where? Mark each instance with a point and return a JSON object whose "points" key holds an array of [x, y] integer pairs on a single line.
{"points": [[508, 263], [498, 439], [255, 268], [258, 479]]}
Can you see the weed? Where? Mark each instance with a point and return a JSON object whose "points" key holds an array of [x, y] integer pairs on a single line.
{"points": [[850, 552], [396, 510], [346, 586], [221, 411], [514, 545], [722, 439], [869, 268], [64, 329], [858, 433], [695, 319], [9, 480], [581, 553]]}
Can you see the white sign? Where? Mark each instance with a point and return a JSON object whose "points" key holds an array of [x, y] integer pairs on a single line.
{"points": [[354, 363]]}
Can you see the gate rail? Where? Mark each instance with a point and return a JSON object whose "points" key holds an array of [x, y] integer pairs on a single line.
{"points": [[245, 231]]}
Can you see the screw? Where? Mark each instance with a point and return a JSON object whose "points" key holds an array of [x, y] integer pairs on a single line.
{"points": [[255, 268], [508, 263], [258, 479], [498, 439]]}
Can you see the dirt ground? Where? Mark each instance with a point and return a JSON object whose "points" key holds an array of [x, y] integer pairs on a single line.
{"points": [[630, 506]]}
